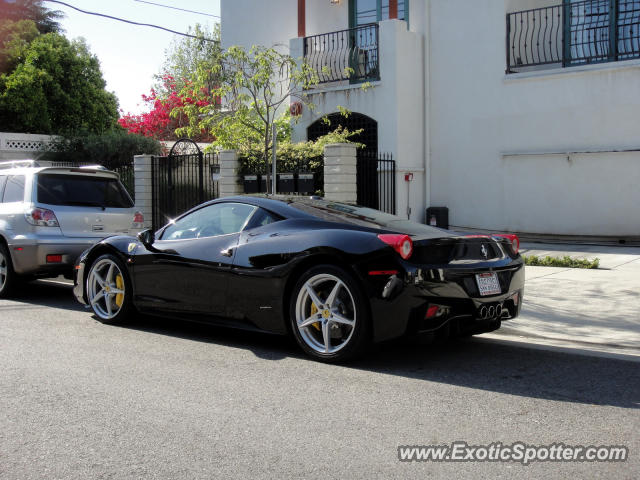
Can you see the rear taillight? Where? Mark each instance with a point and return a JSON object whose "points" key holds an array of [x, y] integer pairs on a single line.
{"points": [[138, 220], [401, 243], [41, 217], [513, 239]]}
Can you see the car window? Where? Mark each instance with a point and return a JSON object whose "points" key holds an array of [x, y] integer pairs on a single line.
{"points": [[81, 190], [3, 181], [14, 189], [261, 218], [209, 221]]}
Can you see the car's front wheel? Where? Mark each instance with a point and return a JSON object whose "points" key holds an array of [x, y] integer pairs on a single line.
{"points": [[328, 314], [108, 289]]}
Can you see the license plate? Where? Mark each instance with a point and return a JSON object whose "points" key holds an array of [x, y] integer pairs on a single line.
{"points": [[488, 283]]}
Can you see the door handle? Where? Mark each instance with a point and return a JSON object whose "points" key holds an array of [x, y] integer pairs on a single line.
{"points": [[228, 252]]}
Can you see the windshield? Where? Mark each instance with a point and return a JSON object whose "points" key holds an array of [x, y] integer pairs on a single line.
{"points": [[81, 190], [364, 217]]}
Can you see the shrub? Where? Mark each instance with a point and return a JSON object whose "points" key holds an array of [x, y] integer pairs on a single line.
{"points": [[565, 261], [112, 150]]}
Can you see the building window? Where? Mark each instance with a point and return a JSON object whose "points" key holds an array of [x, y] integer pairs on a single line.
{"points": [[363, 12], [601, 30]]}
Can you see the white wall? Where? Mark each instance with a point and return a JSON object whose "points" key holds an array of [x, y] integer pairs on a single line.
{"points": [[323, 17], [251, 22], [477, 114], [22, 146]]}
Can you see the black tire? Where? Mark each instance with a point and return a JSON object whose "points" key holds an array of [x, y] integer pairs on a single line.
{"points": [[110, 308], [8, 277], [349, 304]]}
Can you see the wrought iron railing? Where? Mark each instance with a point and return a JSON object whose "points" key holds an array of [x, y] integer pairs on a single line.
{"points": [[376, 180], [344, 55], [574, 33]]}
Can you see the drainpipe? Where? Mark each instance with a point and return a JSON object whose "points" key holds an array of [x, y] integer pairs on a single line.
{"points": [[426, 79]]}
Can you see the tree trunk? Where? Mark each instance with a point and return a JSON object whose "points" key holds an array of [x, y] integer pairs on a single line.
{"points": [[266, 157]]}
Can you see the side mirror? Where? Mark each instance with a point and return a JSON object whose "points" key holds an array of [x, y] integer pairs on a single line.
{"points": [[147, 237]]}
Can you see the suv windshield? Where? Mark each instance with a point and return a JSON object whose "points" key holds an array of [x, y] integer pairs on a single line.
{"points": [[55, 189]]}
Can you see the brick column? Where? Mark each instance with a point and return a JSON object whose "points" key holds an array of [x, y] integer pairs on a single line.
{"points": [[340, 172], [143, 187], [229, 178]]}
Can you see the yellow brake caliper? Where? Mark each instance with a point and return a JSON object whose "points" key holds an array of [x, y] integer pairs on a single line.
{"points": [[120, 286], [314, 310]]}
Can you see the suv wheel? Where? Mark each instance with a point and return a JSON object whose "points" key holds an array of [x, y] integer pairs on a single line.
{"points": [[7, 275]]}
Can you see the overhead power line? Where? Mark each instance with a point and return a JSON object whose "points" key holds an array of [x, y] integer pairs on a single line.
{"points": [[132, 22], [178, 8]]}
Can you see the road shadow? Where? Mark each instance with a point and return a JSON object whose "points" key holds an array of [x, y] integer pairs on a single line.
{"points": [[478, 364], [472, 363], [45, 294]]}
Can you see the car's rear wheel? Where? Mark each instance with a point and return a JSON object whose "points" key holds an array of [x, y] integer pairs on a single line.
{"points": [[328, 314], [8, 277], [108, 289]]}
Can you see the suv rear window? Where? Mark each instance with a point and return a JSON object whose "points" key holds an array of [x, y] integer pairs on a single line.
{"points": [[55, 189]]}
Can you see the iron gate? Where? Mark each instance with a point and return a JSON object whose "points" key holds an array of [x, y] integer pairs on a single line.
{"points": [[376, 180], [182, 180]]}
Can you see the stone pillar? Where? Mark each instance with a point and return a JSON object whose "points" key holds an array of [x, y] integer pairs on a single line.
{"points": [[229, 176], [340, 172], [143, 187]]}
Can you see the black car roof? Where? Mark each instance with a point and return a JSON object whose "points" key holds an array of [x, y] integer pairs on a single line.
{"points": [[318, 208]]}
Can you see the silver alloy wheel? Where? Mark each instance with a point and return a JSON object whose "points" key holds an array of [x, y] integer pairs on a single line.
{"points": [[4, 268], [325, 313], [103, 291]]}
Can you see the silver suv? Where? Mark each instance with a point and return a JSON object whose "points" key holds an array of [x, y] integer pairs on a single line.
{"points": [[49, 215]]}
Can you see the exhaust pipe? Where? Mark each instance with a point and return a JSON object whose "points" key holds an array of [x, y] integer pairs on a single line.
{"points": [[491, 311], [483, 313], [499, 311]]}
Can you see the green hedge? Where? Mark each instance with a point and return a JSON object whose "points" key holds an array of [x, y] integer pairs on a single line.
{"points": [[112, 150]]}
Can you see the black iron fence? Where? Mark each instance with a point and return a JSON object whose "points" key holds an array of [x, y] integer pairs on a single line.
{"points": [[180, 182], [376, 180], [127, 178], [573, 33], [344, 55]]}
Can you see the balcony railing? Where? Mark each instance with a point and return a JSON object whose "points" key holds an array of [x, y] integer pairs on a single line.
{"points": [[574, 33], [344, 55]]}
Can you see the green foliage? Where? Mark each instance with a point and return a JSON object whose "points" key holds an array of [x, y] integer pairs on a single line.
{"points": [[57, 89], [256, 86], [112, 150], [46, 20], [15, 38], [186, 55], [565, 261], [295, 157]]}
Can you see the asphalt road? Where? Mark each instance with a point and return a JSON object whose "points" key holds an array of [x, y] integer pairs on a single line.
{"points": [[164, 399]]}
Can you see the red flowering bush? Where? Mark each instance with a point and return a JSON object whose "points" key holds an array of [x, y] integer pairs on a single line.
{"points": [[158, 122]]}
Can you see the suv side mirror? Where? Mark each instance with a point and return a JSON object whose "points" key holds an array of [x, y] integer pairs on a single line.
{"points": [[147, 237]]}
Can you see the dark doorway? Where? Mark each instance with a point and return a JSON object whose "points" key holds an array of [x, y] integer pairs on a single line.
{"points": [[355, 121]]}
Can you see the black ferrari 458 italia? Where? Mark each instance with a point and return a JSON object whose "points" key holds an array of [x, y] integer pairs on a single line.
{"points": [[335, 276]]}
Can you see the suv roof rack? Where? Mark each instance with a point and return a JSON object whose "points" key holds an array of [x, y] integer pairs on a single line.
{"points": [[19, 163], [48, 164]]}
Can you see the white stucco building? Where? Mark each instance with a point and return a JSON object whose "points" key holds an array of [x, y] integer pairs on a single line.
{"points": [[517, 115]]}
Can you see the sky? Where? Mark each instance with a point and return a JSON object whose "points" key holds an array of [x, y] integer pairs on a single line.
{"points": [[131, 55]]}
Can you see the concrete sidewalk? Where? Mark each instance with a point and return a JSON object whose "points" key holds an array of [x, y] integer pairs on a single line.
{"points": [[592, 311]]}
